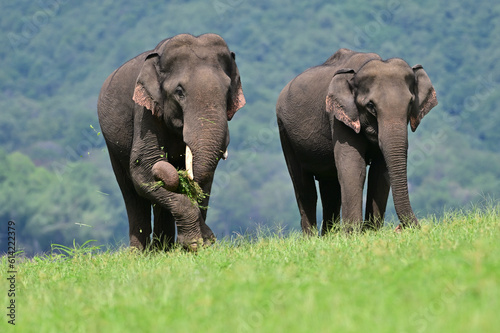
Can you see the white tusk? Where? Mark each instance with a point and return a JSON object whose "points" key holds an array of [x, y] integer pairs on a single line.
{"points": [[225, 155], [189, 163]]}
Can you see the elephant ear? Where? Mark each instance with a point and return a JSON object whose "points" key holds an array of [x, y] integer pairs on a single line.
{"points": [[147, 92], [340, 99], [425, 97], [236, 99]]}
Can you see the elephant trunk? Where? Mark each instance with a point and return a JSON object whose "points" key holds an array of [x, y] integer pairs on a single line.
{"points": [[205, 130], [206, 144], [393, 141]]}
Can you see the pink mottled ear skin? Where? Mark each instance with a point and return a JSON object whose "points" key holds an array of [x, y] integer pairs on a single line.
{"points": [[237, 103], [332, 105], [426, 106], [142, 98]]}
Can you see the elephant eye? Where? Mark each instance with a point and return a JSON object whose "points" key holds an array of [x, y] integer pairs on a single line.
{"points": [[371, 108], [179, 92]]}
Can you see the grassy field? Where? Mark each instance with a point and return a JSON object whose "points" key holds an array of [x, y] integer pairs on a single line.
{"points": [[442, 278]]}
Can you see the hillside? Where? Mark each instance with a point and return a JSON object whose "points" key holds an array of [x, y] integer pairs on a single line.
{"points": [[57, 183]]}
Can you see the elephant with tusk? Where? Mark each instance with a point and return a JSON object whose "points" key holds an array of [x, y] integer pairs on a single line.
{"points": [[166, 110]]}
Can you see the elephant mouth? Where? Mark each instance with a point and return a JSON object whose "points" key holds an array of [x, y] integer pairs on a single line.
{"points": [[189, 161]]}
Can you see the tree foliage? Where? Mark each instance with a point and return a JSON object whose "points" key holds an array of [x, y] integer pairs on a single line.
{"points": [[57, 53]]}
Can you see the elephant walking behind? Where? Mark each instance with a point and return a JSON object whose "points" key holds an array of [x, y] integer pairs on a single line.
{"points": [[163, 110], [335, 119]]}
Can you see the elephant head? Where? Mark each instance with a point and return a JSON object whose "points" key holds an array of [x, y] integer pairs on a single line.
{"points": [[379, 100], [193, 85]]}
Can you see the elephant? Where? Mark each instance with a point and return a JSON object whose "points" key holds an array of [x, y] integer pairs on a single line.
{"points": [[168, 109], [337, 118]]}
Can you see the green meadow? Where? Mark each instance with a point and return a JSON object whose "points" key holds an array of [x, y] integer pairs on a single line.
{"points": [[444, 277]]}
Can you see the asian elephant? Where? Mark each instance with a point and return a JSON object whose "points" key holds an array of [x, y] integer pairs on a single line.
{"points": [[168, 109], [339, 117]]}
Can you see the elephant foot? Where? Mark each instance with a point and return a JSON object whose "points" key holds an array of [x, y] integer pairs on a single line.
{"points": [[309, 231], [412, 225], [190, 244], [350, 228], [208, 236], [195, 238], [138, 243], [194, 244]]}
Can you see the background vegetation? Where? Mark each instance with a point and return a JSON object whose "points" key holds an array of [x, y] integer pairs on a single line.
{"points": [[56, 180]]}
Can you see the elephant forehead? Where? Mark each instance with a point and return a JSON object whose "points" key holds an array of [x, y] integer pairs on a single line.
{"points": [[205, 39], [383, 75], [194, 55], [390, 69], [204, 46]]}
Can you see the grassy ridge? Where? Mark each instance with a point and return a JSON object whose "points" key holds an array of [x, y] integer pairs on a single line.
{"points": [[443, 278]]}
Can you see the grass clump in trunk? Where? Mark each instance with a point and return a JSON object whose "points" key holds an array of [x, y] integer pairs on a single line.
{"points": [[186, 186], [190, 188]]}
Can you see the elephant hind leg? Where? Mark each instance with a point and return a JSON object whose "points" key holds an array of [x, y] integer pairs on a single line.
{"points": [[377, 194], [331, 201], [306, 196], [163, 228], [304, 186]]}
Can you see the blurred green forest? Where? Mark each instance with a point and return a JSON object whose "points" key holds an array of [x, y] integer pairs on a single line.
{"points": [[56, 181]]}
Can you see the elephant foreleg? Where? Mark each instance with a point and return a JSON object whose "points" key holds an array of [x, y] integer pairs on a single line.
{"points": [[351, 170], [167, 174], [138, 208], [139, 217], [186, 214]]}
